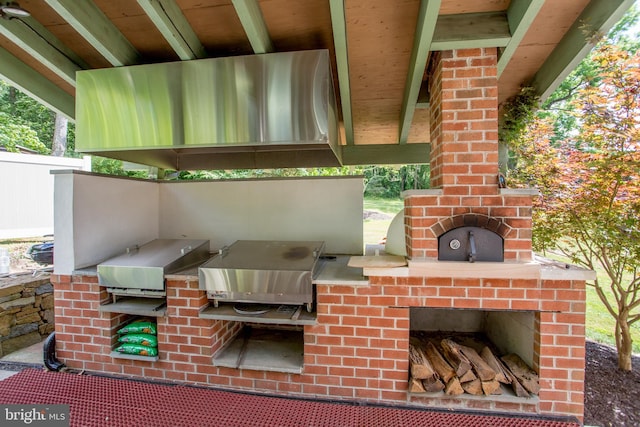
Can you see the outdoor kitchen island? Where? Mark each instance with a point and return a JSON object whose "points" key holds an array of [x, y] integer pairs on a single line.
{"points": [[354, 345]]}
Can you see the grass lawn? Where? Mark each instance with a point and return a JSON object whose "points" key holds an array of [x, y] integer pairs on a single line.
{"points": [[600, 325]]}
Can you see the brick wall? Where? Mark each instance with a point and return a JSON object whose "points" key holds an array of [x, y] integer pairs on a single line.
{"points": [[357, 351]]}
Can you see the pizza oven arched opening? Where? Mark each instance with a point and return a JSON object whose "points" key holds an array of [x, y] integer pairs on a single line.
{"points": [[471, 243]]}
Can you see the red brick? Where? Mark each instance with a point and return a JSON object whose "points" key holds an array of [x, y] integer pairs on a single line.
{"points": [[353, 341], [494, 304], [511, 294], [530, 305], [466, 303]]}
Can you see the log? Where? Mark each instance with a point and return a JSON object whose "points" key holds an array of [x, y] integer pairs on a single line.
{"points": [[415, 386], [451, 352], [441, 366], [469, 376], [473, 387], [453, 387], [419, 364], [491, 387], [482, 370], [432, 387], [515, 384], [491, 360], [525, 375]]}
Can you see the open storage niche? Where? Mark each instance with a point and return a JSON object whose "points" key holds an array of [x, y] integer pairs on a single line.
{"points": [[263, 347], [274, 314], [120, 321]]}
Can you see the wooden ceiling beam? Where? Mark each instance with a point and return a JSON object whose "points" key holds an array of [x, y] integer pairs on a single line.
{"points": [[20, 75], [520, 15], [599, 16], [253, 23], [471, 30], [386, 154], [339, 26], [92, 24], [425, 28], [32, 37], [167, 16]]}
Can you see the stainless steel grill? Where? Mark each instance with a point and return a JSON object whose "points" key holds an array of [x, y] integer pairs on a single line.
{"points": [[143, 267], [274, 272]]}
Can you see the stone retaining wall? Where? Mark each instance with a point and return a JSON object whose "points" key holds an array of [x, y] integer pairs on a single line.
{"points": [[26, 312]]}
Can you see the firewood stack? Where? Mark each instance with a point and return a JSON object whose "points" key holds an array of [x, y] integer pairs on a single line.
{"points": [[454, 368]]}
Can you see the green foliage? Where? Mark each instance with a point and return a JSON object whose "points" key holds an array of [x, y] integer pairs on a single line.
{"points": [[517, 113], [108, 166], [13, 135], [259, 173], [26, 118], [387, 182]]}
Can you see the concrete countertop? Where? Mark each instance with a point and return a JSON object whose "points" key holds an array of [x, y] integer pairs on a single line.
{"points": [[336, 272]]}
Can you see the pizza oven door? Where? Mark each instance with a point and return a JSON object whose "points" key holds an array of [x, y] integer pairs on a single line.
{"points": [[471, 244]]}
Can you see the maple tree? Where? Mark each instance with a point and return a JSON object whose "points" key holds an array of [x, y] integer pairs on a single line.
{"points": [[589, 208]]}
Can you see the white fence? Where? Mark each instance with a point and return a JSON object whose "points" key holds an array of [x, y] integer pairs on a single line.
{"points": [[26, 192]]}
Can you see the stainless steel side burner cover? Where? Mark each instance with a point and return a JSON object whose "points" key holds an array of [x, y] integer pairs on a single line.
{"points": [[267, 271]]}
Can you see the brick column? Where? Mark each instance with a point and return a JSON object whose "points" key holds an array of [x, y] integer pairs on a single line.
{"points": [[464, 160], [464, 122]]}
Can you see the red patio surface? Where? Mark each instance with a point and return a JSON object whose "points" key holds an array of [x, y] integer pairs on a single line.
{"points": [[102, 401]]}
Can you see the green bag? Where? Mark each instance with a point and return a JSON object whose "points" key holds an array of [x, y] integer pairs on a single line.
{"points": [[146, 340], [137, 349], [139, 327]]}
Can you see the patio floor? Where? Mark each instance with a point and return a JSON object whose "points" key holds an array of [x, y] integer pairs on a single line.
{"points": [[105, 401]]}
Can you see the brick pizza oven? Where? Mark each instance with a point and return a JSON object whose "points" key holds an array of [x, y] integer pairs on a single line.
{"points": [[545, 311], [356, 347]]}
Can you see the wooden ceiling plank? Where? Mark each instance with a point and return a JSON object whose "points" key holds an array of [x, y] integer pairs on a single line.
{"points": [[520, 15], [471, 30], [32, 37], [339, 26], [574, 46], [386, 154], [92, 24], [253, 23], [425, 28], [167, 16], [20, 75]]}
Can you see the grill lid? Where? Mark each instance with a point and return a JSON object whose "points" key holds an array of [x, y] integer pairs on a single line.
{"points": [[268, 255], [144, 267]]}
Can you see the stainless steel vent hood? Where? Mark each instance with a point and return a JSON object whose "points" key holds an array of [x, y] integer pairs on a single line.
{"points": [[257, 111]]}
